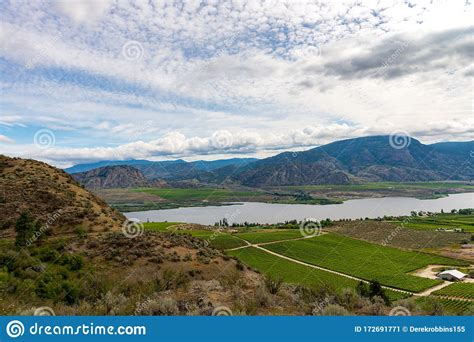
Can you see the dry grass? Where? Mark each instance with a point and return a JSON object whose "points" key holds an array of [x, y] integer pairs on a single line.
{"points": [[45, 191]]}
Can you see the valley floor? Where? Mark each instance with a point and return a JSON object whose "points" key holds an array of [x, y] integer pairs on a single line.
{"points": [[338, 261]]}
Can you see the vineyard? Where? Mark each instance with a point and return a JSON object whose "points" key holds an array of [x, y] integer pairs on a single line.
{"points": [[461, 290], [293, 273], [358, 258], [263, 236], [364, 260]]}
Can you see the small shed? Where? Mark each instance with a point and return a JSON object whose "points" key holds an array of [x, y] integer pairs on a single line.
{"points": [[453, 275]]}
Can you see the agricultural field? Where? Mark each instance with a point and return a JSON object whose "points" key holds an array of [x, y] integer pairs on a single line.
{"points": [[364, 260], [378, 231], [200, 194], [268, 235], [448, 306], [293, 273], [216, 196], [373, 186], [446, 221], [460, 290], [290, 272], [421, 190], [138, 199]]}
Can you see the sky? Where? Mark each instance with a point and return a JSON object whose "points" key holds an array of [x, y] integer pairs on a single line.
{"points": [[89, 80]]}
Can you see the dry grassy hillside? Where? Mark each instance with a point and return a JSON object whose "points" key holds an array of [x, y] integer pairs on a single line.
{"points": [[150, 274], [51, 196], [109, 272]]}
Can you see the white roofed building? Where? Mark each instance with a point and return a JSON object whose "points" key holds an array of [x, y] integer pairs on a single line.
{"points": [[453, 275]]}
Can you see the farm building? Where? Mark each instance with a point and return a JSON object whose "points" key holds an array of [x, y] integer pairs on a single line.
{"points": [[453, 275]]}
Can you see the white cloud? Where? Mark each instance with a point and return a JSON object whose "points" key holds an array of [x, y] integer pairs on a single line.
{"points": [[83, 10], [259, 70], [11, 120]]}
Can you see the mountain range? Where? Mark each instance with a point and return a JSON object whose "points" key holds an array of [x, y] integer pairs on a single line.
{"points": [[152, 167], [365, 159]]}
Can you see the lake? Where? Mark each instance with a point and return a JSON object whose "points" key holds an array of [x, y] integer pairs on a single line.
{"points": [[274, 213]]}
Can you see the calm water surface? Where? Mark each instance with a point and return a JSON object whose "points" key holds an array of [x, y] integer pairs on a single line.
{"points": [[274, 213]]}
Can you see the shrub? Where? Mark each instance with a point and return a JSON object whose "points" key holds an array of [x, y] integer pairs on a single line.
{"points": [[49, 287], [377, 307], [433, 307], [163, 306], [263, 297], [94, 287], [48, 255], [7, 260], [113, 302], [81, 232], [349, 298], [408, 303], [71, 293], [362, 289], [240, 266], [231, 279], [306, 294], [17, 261], [273, 286], [334, 310], [171, 280], [74, 262]]}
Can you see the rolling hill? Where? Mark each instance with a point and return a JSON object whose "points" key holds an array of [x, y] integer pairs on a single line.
{"points": [[117, 176], [52, 197], [110, 266]]}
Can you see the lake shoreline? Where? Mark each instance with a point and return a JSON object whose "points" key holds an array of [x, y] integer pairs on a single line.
{"points": [[124, 208], [240, 212]]}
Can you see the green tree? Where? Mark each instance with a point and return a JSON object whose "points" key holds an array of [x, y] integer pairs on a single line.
{"points": [[375, 289], [362, 289], [24, 227]]}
